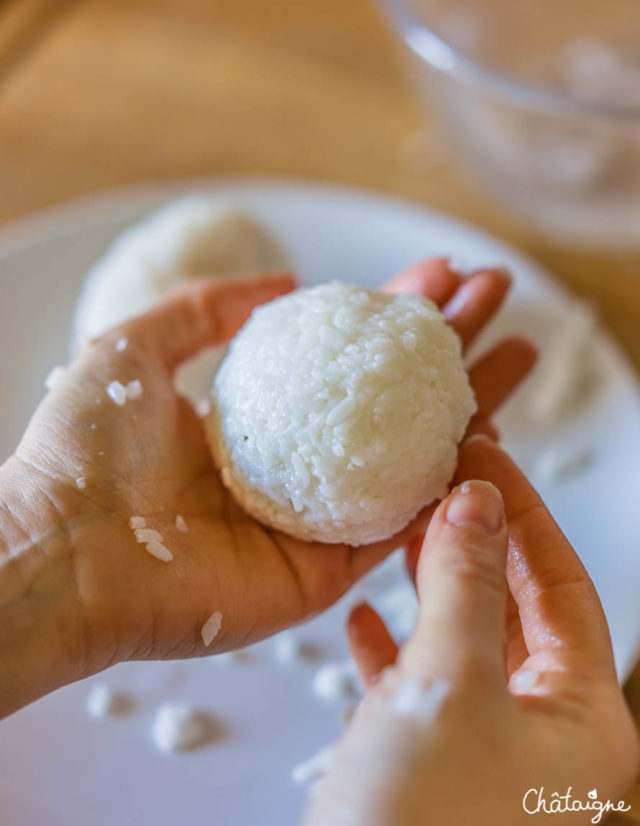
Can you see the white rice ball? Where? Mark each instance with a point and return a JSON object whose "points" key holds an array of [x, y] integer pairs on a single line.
{"points": [[337, 412], [193, 236]]}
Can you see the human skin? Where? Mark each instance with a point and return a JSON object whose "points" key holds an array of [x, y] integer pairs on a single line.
{"points": [[78, 593], [537, 706]]}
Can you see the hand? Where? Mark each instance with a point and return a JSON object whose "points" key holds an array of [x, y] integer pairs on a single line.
{"points": [[457, 727], [106, 596]]}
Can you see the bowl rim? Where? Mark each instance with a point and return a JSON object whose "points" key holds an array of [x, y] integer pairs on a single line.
{"points": [[441, 56]]}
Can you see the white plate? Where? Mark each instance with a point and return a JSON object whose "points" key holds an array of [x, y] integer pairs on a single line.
{"points": [[59, 768]]}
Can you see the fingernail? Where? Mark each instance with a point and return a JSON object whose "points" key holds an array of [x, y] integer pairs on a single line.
{"points": [[498, 269], [458, 301], [357, 606], [477, 437], [476, 503]]}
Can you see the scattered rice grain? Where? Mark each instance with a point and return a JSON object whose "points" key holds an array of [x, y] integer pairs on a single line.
{"points": [[158, 550], [134, 390], [101, 701], [55, 377], [287, 647], [179, 727], [211, 628], [313, 769], [418, 702], [334, 681], [117, 392], [148, 535]]}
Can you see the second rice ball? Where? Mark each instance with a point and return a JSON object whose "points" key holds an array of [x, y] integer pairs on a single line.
{"points": [[337, 412]]}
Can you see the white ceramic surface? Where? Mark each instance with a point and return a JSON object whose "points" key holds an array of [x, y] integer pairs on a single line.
{"points": [[61, 768]]}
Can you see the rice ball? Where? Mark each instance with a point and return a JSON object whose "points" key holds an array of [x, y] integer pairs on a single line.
{"points": [[337, 412], [192, 236]]}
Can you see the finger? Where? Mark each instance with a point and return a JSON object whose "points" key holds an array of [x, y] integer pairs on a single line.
{"points": [[496, 374], [208, 311], [433, 279], [516, 651], [476, 301], [412, 556], [562, 619], [371, 645], [479, 426], [462, 588]]}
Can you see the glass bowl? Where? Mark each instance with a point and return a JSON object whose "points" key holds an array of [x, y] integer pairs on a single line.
{"points": [[540, 99]]}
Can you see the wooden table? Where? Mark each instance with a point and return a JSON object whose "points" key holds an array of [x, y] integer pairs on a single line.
{"points": [[100, 93]]}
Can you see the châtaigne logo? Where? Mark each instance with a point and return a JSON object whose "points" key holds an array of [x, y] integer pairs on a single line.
{"points": [[535, 802]]}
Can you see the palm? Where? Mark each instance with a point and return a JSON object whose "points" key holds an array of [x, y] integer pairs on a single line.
{"points": [[150, 458]]}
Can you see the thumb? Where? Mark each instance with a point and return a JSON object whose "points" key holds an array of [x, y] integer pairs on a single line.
{"points": [[206, 312], [462, 588]]}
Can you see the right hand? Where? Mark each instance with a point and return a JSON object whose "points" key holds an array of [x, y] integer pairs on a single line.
{"points": [[457, 726]]}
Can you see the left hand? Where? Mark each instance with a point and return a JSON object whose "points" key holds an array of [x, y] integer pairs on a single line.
{"points": [[101, 596]]}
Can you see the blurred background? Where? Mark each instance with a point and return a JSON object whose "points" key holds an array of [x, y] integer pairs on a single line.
{"points": [[519, 116], [531, 128]]}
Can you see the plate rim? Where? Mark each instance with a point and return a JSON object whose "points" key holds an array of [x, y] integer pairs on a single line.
{"points": [[101, 206], [98, 207]]}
